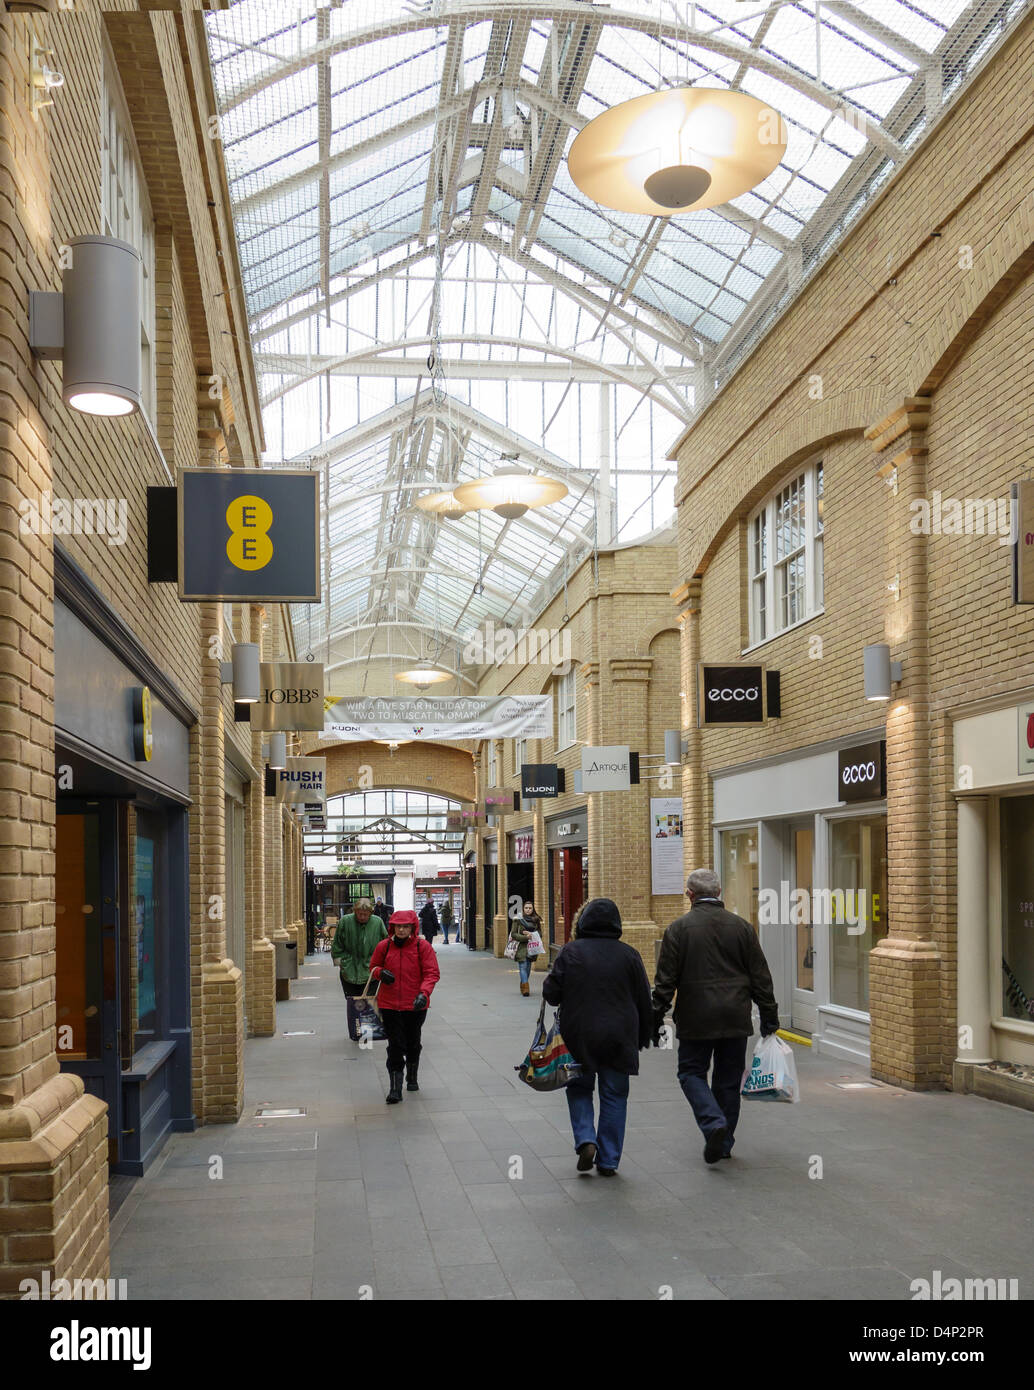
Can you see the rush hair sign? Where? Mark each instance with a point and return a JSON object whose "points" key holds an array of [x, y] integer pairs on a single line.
{"points": [[862, 772]]}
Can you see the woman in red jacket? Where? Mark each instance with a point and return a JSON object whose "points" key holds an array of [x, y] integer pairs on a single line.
{"points": [[407, 968]]}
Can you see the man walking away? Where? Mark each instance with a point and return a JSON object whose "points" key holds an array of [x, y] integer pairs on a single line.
{"points": [[714, 961], [357, 934], [605, 1017], [407, 969], [447, 921], [428, 920]]}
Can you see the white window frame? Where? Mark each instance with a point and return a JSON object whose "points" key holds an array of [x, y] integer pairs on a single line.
{"points": [[566, 695], [126, 213], [520, 755], [491, 770], [767, 600]]}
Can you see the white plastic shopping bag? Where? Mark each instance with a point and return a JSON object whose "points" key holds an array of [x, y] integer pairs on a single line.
{"points": [[772, 1072], [535, 946]]}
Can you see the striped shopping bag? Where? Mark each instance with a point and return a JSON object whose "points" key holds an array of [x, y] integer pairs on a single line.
{"points": [[548, 1065]]}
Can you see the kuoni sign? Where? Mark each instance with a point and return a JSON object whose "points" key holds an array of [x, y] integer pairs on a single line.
{"points": [[248, 534]]}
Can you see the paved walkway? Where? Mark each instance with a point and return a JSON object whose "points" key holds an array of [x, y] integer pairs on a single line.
{"points": [[415, 1200]]}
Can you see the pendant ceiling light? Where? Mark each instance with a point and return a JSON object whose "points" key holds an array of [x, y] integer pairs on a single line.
{"points": [[677, 150], [443, 504], [510, 492], [423, 676]]}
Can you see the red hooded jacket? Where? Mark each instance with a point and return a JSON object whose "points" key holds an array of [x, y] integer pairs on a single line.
{"points": [[413, 963]]}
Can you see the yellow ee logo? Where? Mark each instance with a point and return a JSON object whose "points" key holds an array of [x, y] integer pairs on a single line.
{"points": [[249, 518], [143, 738]]}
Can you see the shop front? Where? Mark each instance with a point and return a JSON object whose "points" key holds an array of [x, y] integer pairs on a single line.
{"points": [[489, 869], [470, 892], [567, 846], [122, 746], [801, 848], [994, 770], [520, 865]]}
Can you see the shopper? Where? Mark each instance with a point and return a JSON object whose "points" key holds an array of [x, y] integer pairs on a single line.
{"points": [[714, 961], [428, 919], [603, 992], [447, 921], [380, 909], [407, 968], [521, 929], [358, 932]]}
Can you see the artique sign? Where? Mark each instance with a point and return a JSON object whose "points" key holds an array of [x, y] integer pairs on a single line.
{"points": [[735, 694], [862, 772], [606, 769], [302, 782], [290, 697], [248, 534], [539, 780], [438, 717], [1023, 546]]}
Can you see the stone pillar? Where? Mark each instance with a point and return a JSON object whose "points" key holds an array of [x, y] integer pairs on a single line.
{"points": [[696, 829], [625, 873], [974, 953], [501, 921], [905, 968], [261, 976]]}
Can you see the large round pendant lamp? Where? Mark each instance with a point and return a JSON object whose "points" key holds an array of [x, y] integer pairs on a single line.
{"points": [[510, 492], [443, 504], [677, 150], [423, 676]]}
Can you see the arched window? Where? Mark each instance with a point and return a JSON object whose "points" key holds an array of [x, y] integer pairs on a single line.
{"points": [[784, 560]]}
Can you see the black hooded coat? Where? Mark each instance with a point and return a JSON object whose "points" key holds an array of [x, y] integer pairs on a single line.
{"points": [[603, 992]]}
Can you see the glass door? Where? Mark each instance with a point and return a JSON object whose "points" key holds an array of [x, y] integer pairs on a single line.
{"points": [[87, 951], [801, 928]]}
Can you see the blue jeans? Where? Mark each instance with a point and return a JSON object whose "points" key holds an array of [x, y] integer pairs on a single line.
{"points": [[609, 1136], [445, 929], [716, 1106], [524, 966]]}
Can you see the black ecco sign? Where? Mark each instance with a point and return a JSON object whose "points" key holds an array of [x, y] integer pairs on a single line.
{"points": [[862, 772], [732, 694]]}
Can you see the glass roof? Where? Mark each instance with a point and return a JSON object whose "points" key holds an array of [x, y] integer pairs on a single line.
{"points": [[430, 292]]}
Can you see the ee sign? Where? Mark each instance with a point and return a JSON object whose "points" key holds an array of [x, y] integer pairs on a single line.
{"points": [[862, 772], [248, 535], [732, 694]]}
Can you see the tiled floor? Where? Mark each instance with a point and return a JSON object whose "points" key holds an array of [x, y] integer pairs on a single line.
{"points": [[423, 1200]]}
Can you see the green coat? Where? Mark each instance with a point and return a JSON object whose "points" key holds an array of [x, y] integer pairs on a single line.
{"points": [[520, 930], [353, 946]]}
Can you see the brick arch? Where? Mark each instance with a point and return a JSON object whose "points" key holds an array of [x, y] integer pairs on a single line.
{"points": [[450, 769], [646, 640]]}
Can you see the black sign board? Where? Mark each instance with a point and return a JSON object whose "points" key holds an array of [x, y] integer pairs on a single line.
{"points": [[248, 534], [539, 780], [862, 772], [735, 694]]}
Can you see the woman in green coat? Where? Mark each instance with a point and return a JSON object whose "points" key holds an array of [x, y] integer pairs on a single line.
{"points": [[521, 929], [357, 934]]}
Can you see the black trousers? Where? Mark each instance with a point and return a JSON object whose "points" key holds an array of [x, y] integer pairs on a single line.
{"points": [[403, 1029], [350, 990]]}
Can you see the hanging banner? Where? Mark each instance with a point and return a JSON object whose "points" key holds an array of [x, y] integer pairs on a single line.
{"points": [[666, 844], [303, 782], [438, 717], [290, 697]]}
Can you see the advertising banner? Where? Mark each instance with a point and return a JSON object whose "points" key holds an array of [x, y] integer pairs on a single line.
{"points": [[303, 782], [438, 717], [666, 844], [290, 697]]}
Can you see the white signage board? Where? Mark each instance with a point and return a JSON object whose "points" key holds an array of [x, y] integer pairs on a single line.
{"points": [[606, 769], [302, 782], [666, 844], [1022, 521], [438, 717], [1025, 738]]}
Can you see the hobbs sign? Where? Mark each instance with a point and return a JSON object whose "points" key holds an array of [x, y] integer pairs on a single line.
{"points": [[291, 697], [862, 772]]}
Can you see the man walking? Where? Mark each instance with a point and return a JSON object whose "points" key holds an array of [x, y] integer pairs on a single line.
{"points": [[428, 919], [714, 961], [357, 934], [447, 921]]}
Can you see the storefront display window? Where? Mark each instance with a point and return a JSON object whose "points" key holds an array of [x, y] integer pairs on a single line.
{"points": [[739, 873], [1017, 837], [857, 905], [145, 921]]}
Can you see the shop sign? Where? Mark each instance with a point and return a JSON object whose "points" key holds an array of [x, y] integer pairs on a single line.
{"points": [[666, 844], [523, 846], [143, 738], [464, 819], [862, 772], [1025, 738], [607, 769], [499, 801], [290, 697], [248, 534], [302, 782], [734, 694], [1023, 544], [540, 780]]}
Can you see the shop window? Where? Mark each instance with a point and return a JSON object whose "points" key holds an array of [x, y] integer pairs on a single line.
{"points": [[1017, 837], [126, 214], [857, 905], [566, 693], [784, 562], [739, 873], [493, 769], [146, 910], [520, 754]]}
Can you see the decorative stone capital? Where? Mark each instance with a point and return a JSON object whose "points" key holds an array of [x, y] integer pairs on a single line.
{"points": [[630, 668], [912, 415], [687, 597]]}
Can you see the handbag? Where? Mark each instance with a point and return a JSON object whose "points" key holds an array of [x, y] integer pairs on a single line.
{"points": [[368, 1015], [511, 948], [548, 1066], [535, 946]]}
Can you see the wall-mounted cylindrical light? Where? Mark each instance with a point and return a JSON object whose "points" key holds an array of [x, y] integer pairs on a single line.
{"points": [[672, 746], [93, 326], [277, 750], [245, 662], [879, 671]]}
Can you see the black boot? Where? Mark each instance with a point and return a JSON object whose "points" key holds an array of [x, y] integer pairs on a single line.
{"points": [[411, 1070], [395, 1094]]}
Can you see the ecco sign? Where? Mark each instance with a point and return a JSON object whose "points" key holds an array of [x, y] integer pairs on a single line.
{"points": [[862, 772], [731, 694], [291, 697]]}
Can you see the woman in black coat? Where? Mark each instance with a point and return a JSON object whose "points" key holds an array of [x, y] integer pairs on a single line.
{"points": [[606, 1016]]}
